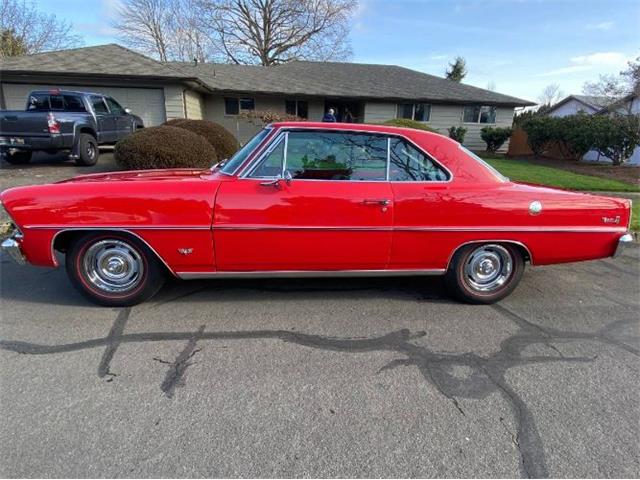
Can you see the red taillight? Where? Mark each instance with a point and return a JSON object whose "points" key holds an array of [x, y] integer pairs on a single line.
{"points": [[54, 126]]}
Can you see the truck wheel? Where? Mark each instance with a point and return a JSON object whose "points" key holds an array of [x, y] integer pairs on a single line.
{"points": [[113, 269], [89, 152], [19, 157], [484, 273]]}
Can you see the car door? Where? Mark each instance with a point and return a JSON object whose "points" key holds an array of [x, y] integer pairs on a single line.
{"points": [[123, 120], [333, 209], [423, 202], [107, 128]]}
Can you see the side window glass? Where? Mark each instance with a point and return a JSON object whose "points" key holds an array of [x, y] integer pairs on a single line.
{"points": [[38, 101], [271, 164], [408, 164], [336, 156], [98, 105], [57, 102], [114, 106], [74, 104]]}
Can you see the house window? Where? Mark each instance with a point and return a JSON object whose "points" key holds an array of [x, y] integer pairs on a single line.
{"points": [[299, 108], [233, 106], [420, 112], [479, 114]]}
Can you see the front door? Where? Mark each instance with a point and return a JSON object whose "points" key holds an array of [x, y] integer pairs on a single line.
{"points": [[314, 200]]}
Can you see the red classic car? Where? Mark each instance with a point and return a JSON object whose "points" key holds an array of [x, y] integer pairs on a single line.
{"points": [[311, 199]]}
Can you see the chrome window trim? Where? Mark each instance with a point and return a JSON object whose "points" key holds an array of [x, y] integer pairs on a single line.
{"points": [[267, 151], [250, 165], [257, 150]]}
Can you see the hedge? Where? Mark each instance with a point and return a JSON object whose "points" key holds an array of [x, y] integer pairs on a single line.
{"points": [[164, 147], [406, 123], [224, 143]]}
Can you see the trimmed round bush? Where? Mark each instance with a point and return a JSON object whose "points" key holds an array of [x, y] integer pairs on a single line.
{"points": [[222, 140], [164, 147], [174, 122], [406, 123]]}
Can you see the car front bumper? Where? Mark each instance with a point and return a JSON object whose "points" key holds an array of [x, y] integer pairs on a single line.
{"points": [[12, 246], [623, 242]]}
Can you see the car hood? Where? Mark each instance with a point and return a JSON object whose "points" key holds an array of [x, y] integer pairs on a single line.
{"points": [[172, 174]]}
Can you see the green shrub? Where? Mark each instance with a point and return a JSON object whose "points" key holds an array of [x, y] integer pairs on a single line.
{"points": [[224, 143], [540, 130], [163, 147], [174, 122], [406, 123], [574, 134], [457, 133], [495, 137], [616, 137]]}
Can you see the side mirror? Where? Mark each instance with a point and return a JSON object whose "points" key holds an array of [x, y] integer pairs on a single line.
{"points": [[127, 110]]}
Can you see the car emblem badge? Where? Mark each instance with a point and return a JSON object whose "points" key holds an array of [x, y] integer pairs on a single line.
{"points": [[535, 207], [185, 251], [615, 219]]}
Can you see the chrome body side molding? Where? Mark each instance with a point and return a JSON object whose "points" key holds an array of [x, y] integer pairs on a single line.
{"points": [[310, 273]]}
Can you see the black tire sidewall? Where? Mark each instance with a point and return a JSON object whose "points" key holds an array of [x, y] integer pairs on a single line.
{"points": [[83, 158], [458, 287], [153, 276]]}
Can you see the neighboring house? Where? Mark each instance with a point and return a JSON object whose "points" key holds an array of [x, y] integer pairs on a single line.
{"points": [[220, 92], [629, 105], [577, 103]]}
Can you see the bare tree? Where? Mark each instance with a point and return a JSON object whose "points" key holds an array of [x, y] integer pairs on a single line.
{"points": [[613, 87], [550, 95], [166, 29], [25, 30], [269, 32], [491, 85]]}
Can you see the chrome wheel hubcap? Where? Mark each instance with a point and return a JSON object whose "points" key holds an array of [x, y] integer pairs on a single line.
{"points": [[488, 268], [113, 266]]}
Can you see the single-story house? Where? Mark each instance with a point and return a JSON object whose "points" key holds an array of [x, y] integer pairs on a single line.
{"points": [[573, 104], [628, 105], [220, 92]]}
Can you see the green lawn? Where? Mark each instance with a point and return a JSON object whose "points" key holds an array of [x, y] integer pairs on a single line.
{"points": [[635, 217], [523, 171]]}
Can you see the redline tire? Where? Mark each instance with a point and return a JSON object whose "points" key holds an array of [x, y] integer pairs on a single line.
{"points": [[113, 269], [484, 273]]}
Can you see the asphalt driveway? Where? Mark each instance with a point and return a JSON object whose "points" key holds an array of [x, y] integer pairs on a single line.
{"points": [[324, 378]]}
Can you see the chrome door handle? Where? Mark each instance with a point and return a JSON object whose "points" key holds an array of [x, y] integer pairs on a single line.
{"points": [[375, 201]]}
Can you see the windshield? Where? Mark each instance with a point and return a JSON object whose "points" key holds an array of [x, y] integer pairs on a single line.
{"points": [[230, 166], [495, 172]]}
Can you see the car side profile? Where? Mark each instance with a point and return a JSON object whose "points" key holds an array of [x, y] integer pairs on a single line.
{"points": [[312, 199]]}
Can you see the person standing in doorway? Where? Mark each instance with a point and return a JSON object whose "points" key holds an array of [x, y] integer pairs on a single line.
{"points": [[330, 116], [348, 116]]}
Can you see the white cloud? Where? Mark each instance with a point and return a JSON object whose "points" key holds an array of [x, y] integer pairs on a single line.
{"points": [[582, 63], [601, 26]]}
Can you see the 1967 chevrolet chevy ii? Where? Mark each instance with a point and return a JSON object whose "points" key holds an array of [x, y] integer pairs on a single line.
{"points": [[312, 199]]}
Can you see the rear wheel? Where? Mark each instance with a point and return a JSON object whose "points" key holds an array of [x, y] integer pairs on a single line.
{"points": [[113, 269], [89, 153], [19, 157], [485, 273]]}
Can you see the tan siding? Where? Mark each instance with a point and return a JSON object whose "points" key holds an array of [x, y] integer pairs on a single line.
{"points": [[379, 112], [174, 101], [243, 129], [193, 104], [442, 118]]}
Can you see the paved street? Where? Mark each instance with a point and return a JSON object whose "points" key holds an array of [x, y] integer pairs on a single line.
{"points": [[324, 378]]}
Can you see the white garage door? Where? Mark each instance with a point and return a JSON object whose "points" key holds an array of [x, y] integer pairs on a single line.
{"points": [[147, 103]]}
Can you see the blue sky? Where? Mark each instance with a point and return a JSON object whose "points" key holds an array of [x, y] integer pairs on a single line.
{"points": [[518, 45]]}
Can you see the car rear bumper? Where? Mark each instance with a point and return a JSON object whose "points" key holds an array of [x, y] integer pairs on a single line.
{"points": [[45, 142], [623, 242]]}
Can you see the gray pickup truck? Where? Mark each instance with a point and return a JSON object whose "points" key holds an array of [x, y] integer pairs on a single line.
{"points": [[58, 120]]}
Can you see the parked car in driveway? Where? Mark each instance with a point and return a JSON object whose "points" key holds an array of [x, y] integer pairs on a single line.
{"points": [[312, 199], [56, 120]]}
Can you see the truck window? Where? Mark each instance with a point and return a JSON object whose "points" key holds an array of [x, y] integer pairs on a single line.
{"points": [[98, 105], [38, 102], [114, 106], [56, 102], [74, 103]]}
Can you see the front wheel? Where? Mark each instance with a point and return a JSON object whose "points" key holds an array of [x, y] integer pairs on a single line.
{"points": [[113, 270], [484, 273]]}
